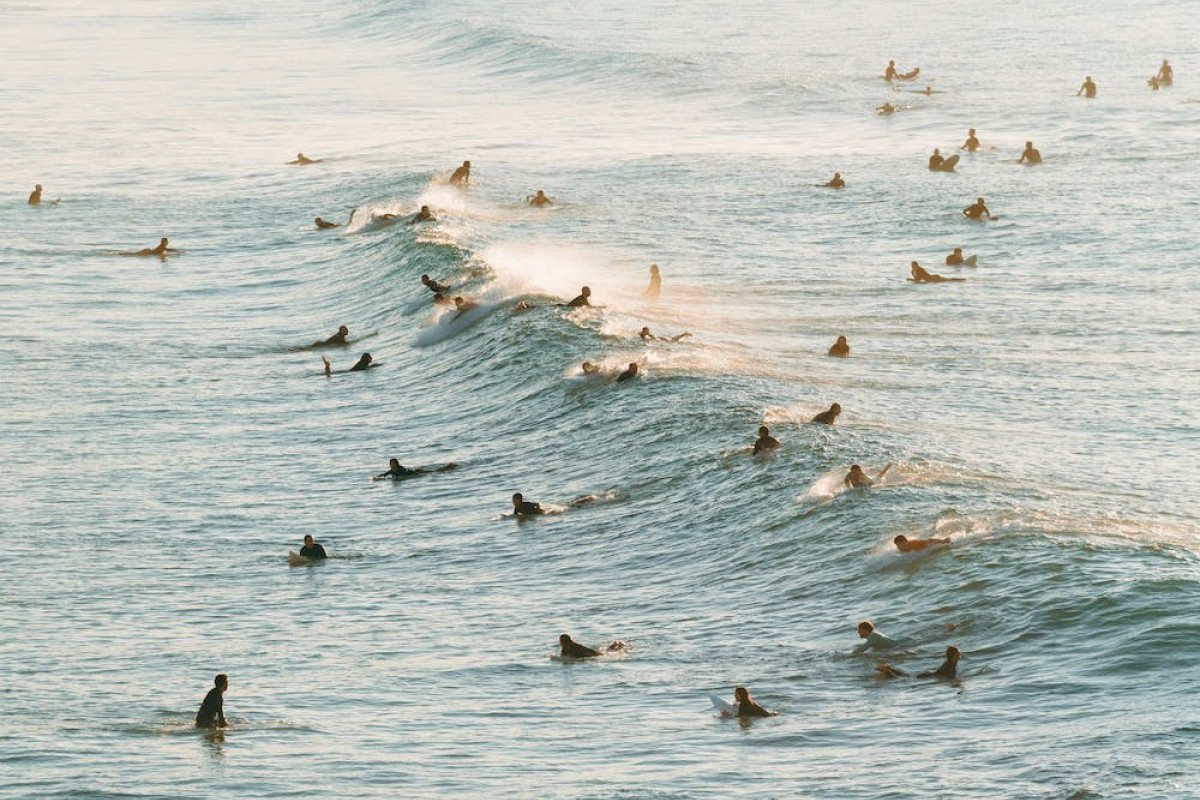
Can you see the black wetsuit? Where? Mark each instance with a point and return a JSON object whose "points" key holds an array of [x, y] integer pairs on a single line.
{"points": [[947, 670], [400, 472], [333, 341], [627, 375], [361, 365], [765, 443], [579, 302], [529, 509], [436, 287], [314, 551], [212, 710], [574, 649], [752, 709]]}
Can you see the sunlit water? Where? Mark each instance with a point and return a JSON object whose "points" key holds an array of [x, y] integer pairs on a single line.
{"points": [[165, 443]]}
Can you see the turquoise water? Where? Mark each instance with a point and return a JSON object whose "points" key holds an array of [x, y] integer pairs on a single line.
{"points": [[165, 443]]}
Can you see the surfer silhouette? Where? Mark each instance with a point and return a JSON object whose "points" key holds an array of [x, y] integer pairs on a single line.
{"points": [[212, 710], [765, 440], [857, 479], [840, 348]]}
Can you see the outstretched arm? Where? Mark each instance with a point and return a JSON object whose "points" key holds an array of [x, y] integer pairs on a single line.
{"points": [[883, 471], [328, 366]]}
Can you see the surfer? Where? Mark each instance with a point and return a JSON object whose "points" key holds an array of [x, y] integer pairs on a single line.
{"points": [[424, 215], [322, 225], [589, 368], [35, 197], [906, 545], [433, 285], [525, 508], [947, 671], [972, 143], [892, 74], [835, 182], [582, 299], [857, 479], [629, 374], [462, 175], [955, 259], [655, 287], [1166, 75], [162, 251], [921, 275], [1030, 156], [765, 441], [874, 639], [573, 649], [463, 305], [936, 160], [364, 363], [539, 200], [212, 710], [840, 349], [337, 340], [746, 705], [828, 417], [396, 471], [977, 210], [1088, 89], [886, 108], [302, 159], [312, 549], [647, 336]]}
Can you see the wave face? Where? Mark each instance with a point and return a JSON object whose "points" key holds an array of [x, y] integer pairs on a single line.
{"points": [[168, 438]]}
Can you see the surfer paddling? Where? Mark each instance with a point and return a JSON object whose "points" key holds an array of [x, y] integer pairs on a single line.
{"points": [[828, 417], [921, 275], [337, 340], [957, 259], [424, 215], [539, 200], [581, 300], [433, 286], [906, 545], [525, 508], [396, 471], [312, 550], [857, 479], [569, 648], [874, 640], [212, 710], [162, 251], [303, 160], [765, 441], [948, 671], [324, 225], [364, 363], [629, 374], [835, 182], [840, 348]]}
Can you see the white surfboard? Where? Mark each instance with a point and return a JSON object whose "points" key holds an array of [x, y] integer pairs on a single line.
{"points": [[297, 560], [727, 709]]}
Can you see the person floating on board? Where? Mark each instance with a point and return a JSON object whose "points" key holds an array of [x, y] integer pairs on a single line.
{"points": [[874, 639], [840, 348], [835, 182], [539, 200], [647, 336], [337, 340], [525, 508], [573, 649], [424, 215], [396, 471], [892, 74], [433, 286], [857, 479], [947, 671], [956, 258], [886, 108], [765, 440], [936, 160], [629, 374], [582, 299], [828, 417], [162, 251], [977, 210], [1030, 155], [462, 175], [302, 159], [746, 707], [655, 288], [972, 142], [323, 225], [921, 275], [906, 545], [212, 710], [312, 550], [1088, 89]]}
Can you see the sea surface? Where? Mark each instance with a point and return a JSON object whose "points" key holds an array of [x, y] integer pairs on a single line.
{"points": [[166, 440]]}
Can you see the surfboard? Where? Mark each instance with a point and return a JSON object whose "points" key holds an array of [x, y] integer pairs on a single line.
{"points": [[949, 164], [727, 709], [971, 261], [908, 76], [297, 560]]}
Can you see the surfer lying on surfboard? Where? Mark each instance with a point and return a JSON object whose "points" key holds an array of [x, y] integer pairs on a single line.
{"points": [[947, 671], [162, 250], [397, 471], [364, 363], [920, 275], [573, 649], [906, 545], [647, 336], [857, 479]]}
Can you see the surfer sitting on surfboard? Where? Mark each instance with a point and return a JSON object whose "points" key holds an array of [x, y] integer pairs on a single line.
{"points": [[906, 545], [956, 259], [396, 471], [936, 160], [765, 441], [746, 707], [921, 275], [857, 479], [840, 348], [1088, 89], [892, 74], [947, 671], [312, 550], [835, 182], [573, 649], [977, 210]]}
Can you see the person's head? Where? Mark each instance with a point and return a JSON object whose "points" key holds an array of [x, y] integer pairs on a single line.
{"points": [[928, 90], [585, 291], [741, 694], [901, 541], [841, 340], [892, 62], [343, 330], [970, 132], [980, 201], [299, 156], [1029, 145], [915, 267], [835, 409], [1089, 79], [221, 681], [308, 539], [458, 301], [645, 331], [1165, 64], [518, 498], [958, 251], [865, 628], [855, 469], [319, 221], [953, 654], [37, 187], [424, 279], [633, 368], [654, 269], [424, 209], [588, 366], [565, 639], [163, 242], [837, 176], [394, 463], [937, 152], [541, 193], [467, 164], [365, 358]]}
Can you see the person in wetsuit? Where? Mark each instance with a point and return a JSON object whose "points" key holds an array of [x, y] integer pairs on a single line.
{"points": [[906, 545], [828, 417], [312, 550], [972, 143], [765, 441], [396, 471], [433, 286], [655, 287], [212, 710], [589, 368], [1030, 155], [1088, 89], [525, 508], [874, 639], [364, 362], [582, 299], [629, 374], [462, 175], [540, 199], [840, 348], [857, 479], [337, 340], [424, 215], [977, 210], [947, 671], [835, 182], [746, 705], [323, 225]]}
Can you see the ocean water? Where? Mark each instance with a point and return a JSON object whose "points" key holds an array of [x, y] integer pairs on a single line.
{"points": [[166, 442]]}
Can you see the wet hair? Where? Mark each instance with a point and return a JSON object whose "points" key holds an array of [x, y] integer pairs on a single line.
{"points": [[221, 680], [518, 497], [763, 430], [308, 538], [836, 407], [585, 290], [899, 539], [741, 693], [953, 653], [564, 639], [866, 623], [855, 468], [343, 329]]}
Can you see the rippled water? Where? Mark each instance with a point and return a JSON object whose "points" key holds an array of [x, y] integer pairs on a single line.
{"points": [[165, 442]]}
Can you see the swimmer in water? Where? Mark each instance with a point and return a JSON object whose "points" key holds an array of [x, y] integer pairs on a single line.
{"points": [[322, 225], [582, 299], [212, 710], [886, 108], [906, 545], [433, 285], [921, 275], [424, 215], [765, 440], [162, 251], [337, 340], [589, 368], [398, 472], [977, 210], [936, 160], [955, 259], [525, 508], [746, 705], [463, 305], [462, 175], [874, 639], [828, 417], [857, 479], [302, 159], [629, 374], [840, 349], [927, 91], [1088, 89], [835, 182], [947, 671], [972, 143], [655, 287], [312, 550], [573, 649], [1030, 156], [647, 336], [539, 200]]}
